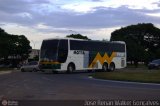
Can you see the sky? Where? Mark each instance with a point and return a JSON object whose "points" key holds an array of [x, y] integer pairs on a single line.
{"points": [[96, 19]]}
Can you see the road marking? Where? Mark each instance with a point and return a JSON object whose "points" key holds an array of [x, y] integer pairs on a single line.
{"points": [[123, 82], [90, 77], [127, 82]]}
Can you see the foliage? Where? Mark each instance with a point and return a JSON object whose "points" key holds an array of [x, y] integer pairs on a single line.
{"points": [[78, 36], [13, 47], [142, 40]]}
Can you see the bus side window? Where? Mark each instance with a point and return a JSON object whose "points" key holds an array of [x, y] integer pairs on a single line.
{"points": [[62, 51]]}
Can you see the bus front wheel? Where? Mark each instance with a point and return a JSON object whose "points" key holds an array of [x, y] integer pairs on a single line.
{"points": [[70, 68], [105, 67]]}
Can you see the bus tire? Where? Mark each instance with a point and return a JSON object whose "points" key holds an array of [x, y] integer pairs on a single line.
{"points": [[89, 71], [105, 67], [70, 68], [112, 67]]}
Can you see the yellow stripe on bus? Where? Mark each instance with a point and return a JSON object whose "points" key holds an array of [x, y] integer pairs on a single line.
{"points": [[49, 62], [102, 59]]}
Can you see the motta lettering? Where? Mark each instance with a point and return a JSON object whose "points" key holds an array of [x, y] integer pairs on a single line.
{"points": [[78, 52]]}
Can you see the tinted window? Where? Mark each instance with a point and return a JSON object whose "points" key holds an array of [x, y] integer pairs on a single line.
{"points": [[62, 51], [96, 46], [49, 49], [88, 45], [76, 45], [116, 47], [49, 44]]}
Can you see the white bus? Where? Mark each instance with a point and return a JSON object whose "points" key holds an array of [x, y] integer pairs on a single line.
{"points": [[67, 54]]}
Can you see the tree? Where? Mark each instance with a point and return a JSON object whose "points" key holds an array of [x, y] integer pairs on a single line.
{"points": [[13, 47], [23, 47], [142, 40], [77, 36], [4, 44]]}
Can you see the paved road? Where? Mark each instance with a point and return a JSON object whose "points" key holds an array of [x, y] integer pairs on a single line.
{"points": [[77, 86]]}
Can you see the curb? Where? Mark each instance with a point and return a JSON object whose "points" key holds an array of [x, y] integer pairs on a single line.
{"points": [[124, 82]]}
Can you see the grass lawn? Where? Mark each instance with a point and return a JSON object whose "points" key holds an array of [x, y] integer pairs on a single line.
{"points": [[131, 74]]}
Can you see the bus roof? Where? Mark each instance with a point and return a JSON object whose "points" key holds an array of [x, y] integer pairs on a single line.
{"points": [[65, 38], [58, 38], [122, 42]]}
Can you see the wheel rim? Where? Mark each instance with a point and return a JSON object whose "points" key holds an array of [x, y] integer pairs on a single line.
{"points": [[70, 68], [104, 68], [112, 67]]}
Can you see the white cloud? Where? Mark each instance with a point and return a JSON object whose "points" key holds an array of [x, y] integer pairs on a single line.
{"points": [[100, 33], [86, 6], [42, 19], [154, 14], [36, 37], [25, 15], [42, 26], [80, 7], [157, 25], [135, 4]]}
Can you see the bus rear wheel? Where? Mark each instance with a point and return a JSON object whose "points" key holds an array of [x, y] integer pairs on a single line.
{"points": [[70, 68], [112, 67]]}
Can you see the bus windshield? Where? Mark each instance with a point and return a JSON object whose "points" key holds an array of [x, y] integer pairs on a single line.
{"points": [[49, 50]]}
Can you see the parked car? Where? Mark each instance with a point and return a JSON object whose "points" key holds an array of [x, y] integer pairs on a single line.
{"points": [[155, 64], [31, 66]]}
